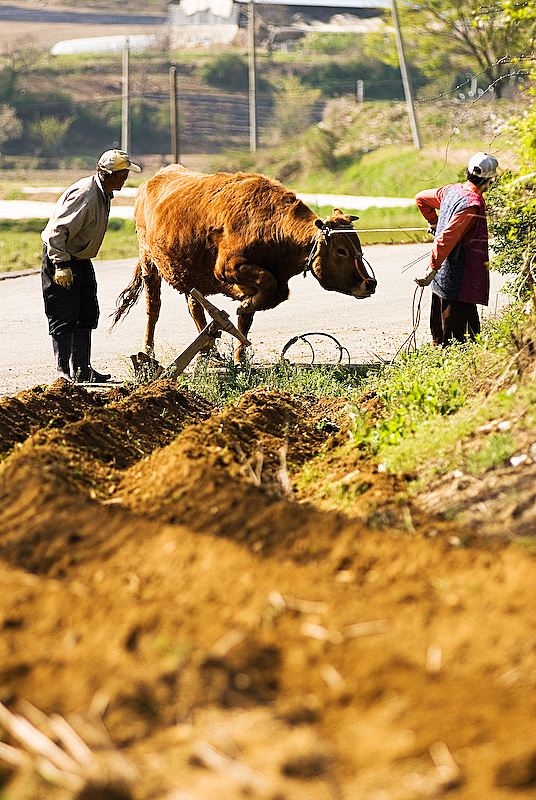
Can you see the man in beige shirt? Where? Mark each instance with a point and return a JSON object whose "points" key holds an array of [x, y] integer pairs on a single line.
{"points": [[71, 238]]}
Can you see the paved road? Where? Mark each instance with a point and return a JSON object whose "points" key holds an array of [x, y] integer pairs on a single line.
{"points": [[370, 329], [56, 16]]}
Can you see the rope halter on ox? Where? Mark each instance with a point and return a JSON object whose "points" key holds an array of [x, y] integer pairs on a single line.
{"points": [[350, 236]]}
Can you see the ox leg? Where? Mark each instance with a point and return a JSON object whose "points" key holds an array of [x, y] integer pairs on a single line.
{"points": [[145, 364], [197, 312], [153, 282], [244, 325]]}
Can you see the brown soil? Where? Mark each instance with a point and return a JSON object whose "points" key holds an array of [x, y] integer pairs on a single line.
{"points": [[168, 576]]}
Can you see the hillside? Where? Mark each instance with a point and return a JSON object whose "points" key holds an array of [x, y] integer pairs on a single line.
{"points": [[70, 107]]}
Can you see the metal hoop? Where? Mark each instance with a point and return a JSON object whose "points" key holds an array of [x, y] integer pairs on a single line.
{"points": [[303, 336]]}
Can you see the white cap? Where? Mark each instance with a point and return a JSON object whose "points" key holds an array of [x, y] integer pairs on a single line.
{"points": [[116, 160], [483, 165]]}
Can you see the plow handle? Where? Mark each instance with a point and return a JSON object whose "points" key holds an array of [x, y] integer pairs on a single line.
{"points": [[219, 316]]}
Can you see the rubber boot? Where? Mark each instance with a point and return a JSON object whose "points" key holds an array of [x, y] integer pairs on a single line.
{"points": [[82, 370], [62, 345]]}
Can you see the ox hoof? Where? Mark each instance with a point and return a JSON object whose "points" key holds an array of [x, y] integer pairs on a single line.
{"points": [[145, 367]]}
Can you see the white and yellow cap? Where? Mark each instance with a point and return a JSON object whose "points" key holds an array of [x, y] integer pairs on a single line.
{"points": [[116, 160]]}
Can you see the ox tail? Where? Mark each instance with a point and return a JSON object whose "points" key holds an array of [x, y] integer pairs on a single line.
{"points": [[129, 296]]}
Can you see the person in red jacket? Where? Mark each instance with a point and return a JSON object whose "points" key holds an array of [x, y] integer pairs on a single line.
{"points": [[459, 262]]}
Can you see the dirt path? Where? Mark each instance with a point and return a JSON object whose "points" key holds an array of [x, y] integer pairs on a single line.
{"points": [[166, 570]]}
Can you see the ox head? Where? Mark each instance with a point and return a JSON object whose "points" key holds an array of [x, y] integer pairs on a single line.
{"points": [[336, 259]]}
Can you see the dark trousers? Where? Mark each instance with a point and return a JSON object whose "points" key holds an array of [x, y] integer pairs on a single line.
{"points": [[452, 319], [73, 308]]}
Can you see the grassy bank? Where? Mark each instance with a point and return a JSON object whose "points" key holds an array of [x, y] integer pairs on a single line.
{"points": [[21, 245]]}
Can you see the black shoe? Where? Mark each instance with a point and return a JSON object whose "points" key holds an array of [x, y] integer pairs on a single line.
{"points": [[91, 376], [62, 345], [82, 370]]}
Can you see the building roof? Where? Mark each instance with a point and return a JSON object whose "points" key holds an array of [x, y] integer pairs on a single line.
{"points": [[338, 4]]}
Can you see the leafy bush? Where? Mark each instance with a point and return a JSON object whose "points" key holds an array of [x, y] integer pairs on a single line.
{"points": [[48, 134], [10, 124], [293, 106], [511, 202], [331, 43], [226, 71]]}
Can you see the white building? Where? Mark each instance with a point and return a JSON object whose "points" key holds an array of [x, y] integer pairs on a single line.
{"points": [[194, 22]]}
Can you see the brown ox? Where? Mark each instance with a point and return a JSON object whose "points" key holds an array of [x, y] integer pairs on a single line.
{"points": [[241, 235]]}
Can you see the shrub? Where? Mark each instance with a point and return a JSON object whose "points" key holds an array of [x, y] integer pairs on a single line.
{"points": [[48, 134], [511, 202], [331, 43], [293, 107], [317, 148], [226, 71], [10, 124]]}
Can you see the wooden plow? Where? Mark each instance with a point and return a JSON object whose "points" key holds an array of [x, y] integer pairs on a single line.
{"points": [[148, 366]]}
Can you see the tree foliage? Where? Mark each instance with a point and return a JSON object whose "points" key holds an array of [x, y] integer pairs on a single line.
{"points": [[293, 106], [48, 134], [454, 36], [512, 209]]}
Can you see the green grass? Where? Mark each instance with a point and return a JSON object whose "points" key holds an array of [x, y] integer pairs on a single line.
{"points": [[388, 172], [495, 450], [231, 381], [436, 399], [21, 246], [398, 172]]}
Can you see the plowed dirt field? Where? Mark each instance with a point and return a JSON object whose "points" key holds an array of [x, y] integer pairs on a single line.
{"points": [[217, 628]]}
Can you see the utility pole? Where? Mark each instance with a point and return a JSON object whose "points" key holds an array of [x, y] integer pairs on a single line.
{"points": [[125, 122], [252, 78], [405, 78], [174, 114]]}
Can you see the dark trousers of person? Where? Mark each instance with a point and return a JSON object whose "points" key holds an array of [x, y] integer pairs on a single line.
{"points": [[73, 313], [453, 319], [76, 307]]}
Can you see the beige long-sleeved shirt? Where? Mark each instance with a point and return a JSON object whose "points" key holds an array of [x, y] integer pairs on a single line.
{"points": [[78, 222]]}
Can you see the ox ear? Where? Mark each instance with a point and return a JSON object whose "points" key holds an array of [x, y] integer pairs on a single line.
{"points": [[319, 223], [353, 217]]}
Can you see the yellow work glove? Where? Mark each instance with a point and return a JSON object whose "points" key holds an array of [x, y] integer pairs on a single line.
{"points": [[428, 278], [63, 276]]}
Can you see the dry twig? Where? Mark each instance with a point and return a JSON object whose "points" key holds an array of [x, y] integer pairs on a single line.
{"points": [[59, 754]]}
